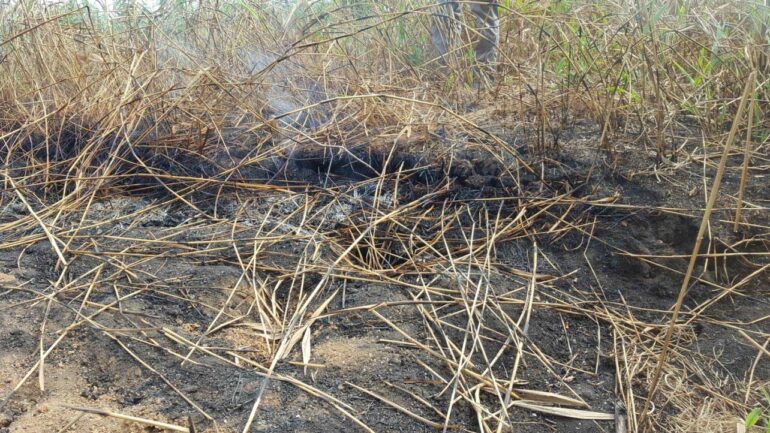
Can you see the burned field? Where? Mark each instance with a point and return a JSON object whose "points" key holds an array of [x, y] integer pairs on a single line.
{"points": [[188, 247]]}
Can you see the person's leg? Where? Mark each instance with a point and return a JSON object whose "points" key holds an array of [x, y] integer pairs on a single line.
{"points": [[488, 26], [445, 27]]}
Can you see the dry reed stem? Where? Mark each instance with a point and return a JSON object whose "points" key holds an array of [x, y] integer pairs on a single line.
{"points": [[713, 194], [145, 421], [746, 162]]}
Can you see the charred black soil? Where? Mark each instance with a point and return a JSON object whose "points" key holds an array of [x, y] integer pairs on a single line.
{"points": [[150, 274]]}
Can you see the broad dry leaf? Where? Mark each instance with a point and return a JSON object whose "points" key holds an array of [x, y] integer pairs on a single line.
{"points": [[267, 331], [306, 348], [562, 411], [295, 337], [550, 398]]}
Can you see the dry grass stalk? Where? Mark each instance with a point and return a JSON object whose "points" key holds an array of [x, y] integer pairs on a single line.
{"points": [[713, 194], [145, 421]]}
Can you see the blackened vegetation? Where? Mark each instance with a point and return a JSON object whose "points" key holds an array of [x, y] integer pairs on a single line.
{"points": [[158, 163]]}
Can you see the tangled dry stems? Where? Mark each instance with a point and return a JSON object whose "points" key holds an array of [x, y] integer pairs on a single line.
{"points": [[196, 106]]}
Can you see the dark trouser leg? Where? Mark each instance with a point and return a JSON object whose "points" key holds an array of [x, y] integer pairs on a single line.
{"points": [[488, 26], [445, 28]]}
